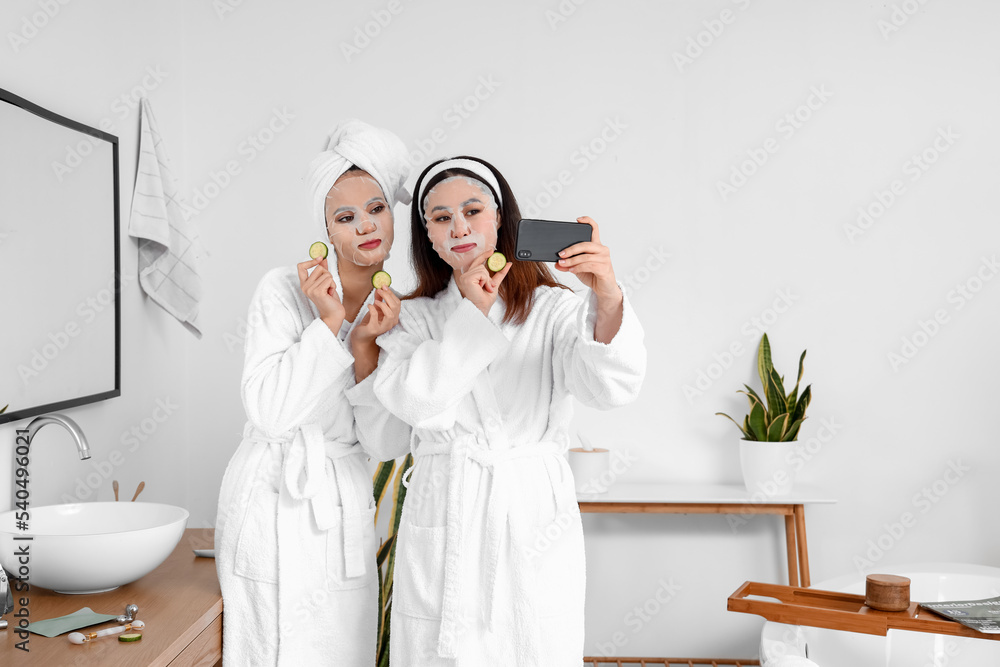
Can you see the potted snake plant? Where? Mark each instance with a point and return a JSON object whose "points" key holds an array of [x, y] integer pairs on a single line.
{"points": [[390, 494], [771, 427]]}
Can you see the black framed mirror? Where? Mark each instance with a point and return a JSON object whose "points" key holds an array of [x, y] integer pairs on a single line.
{"points": [[60, 267]]}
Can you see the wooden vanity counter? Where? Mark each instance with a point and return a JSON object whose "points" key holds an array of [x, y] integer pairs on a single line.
{"points": [[180, 602]]}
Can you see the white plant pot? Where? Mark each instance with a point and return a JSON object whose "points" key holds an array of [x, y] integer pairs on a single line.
{"points": [[768, 467]]}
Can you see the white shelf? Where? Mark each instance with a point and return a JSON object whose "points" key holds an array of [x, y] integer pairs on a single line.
{"points": [[727, 494]]}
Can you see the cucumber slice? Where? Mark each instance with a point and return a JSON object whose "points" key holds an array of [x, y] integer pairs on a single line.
{"points": [[381, 279], [496, 262], [130, 637], [318, 250]]}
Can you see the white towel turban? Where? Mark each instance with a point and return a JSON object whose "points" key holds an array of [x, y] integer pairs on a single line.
{"points": [[356, 143]]}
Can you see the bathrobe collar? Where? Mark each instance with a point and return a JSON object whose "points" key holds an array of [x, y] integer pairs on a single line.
{"points": [[453, 296]]}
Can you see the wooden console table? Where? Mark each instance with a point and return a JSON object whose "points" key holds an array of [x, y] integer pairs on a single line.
{"points": [[717, 499]]}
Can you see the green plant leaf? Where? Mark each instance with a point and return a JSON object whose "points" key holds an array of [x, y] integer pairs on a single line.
{"points": [[793, 430], [793, 395], [755, 395], [758, 424], [803, 404], [779, 384], [379, 481], [775, 396], [777, 429], [746, 436], [384, 550], [764, 366], [753, 398], [387, 553]]}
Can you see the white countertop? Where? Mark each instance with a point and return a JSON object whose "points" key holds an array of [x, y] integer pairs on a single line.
{"points": [[729, 494]]}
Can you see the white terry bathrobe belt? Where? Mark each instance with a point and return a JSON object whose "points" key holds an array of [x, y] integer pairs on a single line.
{"points": [[303, 476], [494, 453]]}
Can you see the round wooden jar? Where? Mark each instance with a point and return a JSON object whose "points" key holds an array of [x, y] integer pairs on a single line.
{"points": [[887, 592]]}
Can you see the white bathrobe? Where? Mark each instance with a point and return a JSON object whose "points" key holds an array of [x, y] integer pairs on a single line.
{"points": [[489, 560], [295, 533]]}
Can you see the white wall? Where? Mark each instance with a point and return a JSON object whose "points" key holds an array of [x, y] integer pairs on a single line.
{"points": [[680, 131]]}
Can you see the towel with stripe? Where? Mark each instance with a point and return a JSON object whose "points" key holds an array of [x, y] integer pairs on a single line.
{"points": [[169, 246]]}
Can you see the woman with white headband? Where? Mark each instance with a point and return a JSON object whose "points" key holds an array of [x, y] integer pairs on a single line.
{"points": [[489, 558], [295, 530]]}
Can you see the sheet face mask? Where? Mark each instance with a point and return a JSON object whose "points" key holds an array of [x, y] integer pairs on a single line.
{"points": [[461, 216], [358, 219]]}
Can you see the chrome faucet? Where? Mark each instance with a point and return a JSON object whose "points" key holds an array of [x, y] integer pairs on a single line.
{"points": [[38, 422], [68, 424]]}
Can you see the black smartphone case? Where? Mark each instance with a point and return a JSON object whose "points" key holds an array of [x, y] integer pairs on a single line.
{"points": [[542, 240]]}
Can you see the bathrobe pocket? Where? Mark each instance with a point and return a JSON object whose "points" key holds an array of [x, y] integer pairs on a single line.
{"points": [[556, 557], [257, 545], [336, 578], [419, 573]]}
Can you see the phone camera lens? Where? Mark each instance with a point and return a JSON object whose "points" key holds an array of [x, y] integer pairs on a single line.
{"points": [[524, 253]]}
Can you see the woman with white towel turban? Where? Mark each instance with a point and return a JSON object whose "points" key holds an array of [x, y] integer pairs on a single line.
{"points": [[484, 366], [295, 532]]}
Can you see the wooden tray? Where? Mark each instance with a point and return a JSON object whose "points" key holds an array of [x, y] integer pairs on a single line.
{"points": [[840, 611]]}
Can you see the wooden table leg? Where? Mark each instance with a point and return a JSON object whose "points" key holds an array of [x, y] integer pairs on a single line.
{"points": [[793, 573], [800, 533]]}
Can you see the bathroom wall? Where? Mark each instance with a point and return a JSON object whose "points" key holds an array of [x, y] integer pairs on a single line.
{"points": [[93, 66], [725, 148]]}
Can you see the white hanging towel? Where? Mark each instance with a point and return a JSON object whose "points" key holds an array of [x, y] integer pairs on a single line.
{"points": [[169, 247]]}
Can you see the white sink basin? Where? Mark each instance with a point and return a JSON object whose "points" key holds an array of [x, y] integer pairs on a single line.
{"points": [[92, 547]]}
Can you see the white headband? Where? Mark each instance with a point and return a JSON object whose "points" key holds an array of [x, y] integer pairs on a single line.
{"points": [[477, 168]]}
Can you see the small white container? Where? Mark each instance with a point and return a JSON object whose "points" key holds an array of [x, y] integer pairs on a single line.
{"points": [[590, 469]]}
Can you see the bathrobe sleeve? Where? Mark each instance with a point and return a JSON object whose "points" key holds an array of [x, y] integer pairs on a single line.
{"points": [[421, 378], [382, 435], [598, 375], [292, 360]]}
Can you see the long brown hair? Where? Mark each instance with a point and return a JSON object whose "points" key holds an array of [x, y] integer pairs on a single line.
{"points": [[518, 288]]}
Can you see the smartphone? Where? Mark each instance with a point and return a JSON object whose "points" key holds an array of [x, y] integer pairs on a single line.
{"points": [[542, 240]]}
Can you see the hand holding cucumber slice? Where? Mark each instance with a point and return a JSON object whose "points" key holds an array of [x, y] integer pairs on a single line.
{"points": [[496, 262], [318, 250], [381, 279]]}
